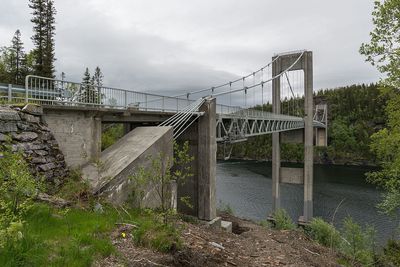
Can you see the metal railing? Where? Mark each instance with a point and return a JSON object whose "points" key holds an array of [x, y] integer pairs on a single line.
{"points": [[49, 91]]}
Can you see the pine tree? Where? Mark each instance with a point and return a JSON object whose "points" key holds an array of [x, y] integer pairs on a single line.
{"points": [[49, 54], [97, 78], [43, 38], [19, 68], [86, 79], [89, 93], [13, 61], [5, 64]]}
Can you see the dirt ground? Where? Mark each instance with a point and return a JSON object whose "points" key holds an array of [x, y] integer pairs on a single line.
{"points": [[250, 245]]}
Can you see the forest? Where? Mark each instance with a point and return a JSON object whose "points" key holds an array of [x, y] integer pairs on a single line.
{"points": [[355, 112]]}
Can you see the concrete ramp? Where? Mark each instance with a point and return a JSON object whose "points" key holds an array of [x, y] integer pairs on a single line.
{"points": [[109, 176]]}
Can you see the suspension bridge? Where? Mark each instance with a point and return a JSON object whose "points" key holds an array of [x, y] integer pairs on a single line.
{"points": [[275, 99]]}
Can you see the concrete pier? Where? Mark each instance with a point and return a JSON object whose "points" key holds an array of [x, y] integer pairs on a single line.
{"points": [[203, 146]]}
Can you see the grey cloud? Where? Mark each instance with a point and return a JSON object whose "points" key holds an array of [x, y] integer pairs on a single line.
{"points": [[174, 46]]}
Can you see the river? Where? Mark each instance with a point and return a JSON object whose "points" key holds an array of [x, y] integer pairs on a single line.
{"points": [[246, 187]]}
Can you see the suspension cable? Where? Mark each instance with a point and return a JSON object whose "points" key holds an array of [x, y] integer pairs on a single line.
{"points": [[258, 84]]}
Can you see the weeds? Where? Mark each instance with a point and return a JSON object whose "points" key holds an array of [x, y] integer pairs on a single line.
{"points": [[225, 208], [283, 220], [324, 233]]}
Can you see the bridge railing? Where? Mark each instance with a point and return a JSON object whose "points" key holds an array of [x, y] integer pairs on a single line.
{"points": [[47, 91], [231, 111]]}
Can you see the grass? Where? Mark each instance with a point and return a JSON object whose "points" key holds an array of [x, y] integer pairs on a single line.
{"points": [[283, 220], [77, 237]]}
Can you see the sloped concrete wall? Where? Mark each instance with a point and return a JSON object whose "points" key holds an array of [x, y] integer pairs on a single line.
{"points": [[110, 175]]}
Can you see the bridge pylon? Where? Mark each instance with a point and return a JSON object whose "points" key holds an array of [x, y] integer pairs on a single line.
{"points": [[281, 63]]}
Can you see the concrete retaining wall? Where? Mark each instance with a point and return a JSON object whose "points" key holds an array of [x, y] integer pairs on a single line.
{"points": [[78, 134]]}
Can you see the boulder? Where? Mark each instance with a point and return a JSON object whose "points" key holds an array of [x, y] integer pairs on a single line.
{"points": [[33, 109]]}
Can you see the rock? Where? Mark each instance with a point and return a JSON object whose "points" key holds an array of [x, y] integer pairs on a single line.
{"points": [[35, 146], [25, 136], [3, 137], [8, 114], [50, 159], [30, 118], [98, 208], [216, 245], [37, 160], [60, 157], [33, 109], [47, 167], [56, 201], [46, 136], [24, 126], [26, 146], [6, 127], [41, 152]]}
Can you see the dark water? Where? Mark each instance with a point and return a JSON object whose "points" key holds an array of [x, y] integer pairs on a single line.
{"points": [[246, 187]]}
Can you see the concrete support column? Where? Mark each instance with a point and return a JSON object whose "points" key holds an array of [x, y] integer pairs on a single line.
{"points": [[308, 137], [202, 146], [207, 160], [276, 152]]}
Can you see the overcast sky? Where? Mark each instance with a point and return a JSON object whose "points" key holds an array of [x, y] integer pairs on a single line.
{"points": [[169, 45]]}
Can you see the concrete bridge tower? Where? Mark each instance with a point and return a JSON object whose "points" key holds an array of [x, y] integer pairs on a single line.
{"points": [[294, 175]]}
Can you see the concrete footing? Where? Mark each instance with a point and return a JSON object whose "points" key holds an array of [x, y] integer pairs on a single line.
{"points": [[214, 223], [226, 226]]}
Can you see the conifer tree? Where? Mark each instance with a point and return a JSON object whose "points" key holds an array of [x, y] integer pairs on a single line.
{"points": [[49, 54], [43, 37], [90, 93], [13, 61], [97, 79], [18, 68]]}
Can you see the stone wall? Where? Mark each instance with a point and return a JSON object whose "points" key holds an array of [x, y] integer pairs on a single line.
{"points": [[23, 130]]}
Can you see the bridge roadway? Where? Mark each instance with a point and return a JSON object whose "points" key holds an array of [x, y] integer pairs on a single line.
{"points": [[233, 126], [137, 108]]}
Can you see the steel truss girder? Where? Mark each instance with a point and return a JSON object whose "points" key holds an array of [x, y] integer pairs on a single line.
{"points": [[231, 128]]}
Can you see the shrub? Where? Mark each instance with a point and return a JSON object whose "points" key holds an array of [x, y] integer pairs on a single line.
{"points": [[17, 189], [154, 233], [111, 135], [358, 244], [391, 253], [76, 189], [283, 220], [159, 176], [324, 233]]}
